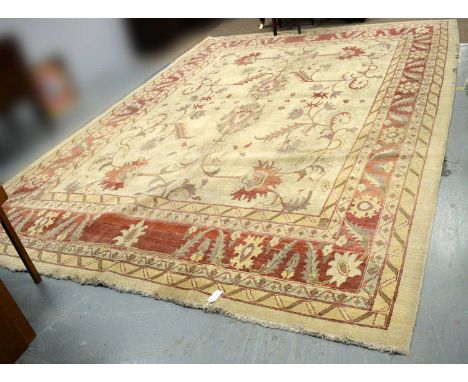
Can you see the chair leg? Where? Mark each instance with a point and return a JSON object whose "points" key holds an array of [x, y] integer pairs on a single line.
{"points": [[275, 27], [19, 247]]}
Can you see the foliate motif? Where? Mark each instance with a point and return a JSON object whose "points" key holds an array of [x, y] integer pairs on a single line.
{"points": [[246, 252], [271, 167], [365, 206], [130, 236], [258, 181], [343, 266]]}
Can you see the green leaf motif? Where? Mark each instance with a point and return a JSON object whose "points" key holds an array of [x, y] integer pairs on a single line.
{"points": [[310, 273], [274, 262], [291, 266], [188, 244], [360, 234], [218, 248]]}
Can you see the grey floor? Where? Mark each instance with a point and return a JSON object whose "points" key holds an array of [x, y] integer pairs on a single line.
{"points": [[86, 324]]}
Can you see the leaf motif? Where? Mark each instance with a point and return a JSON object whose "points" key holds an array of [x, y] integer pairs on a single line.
{"points": [[399, 117], [77, 232], [310, 273], [188, 244], [414, 76], [359, 234], [298, 203], [62, 227], [291, 266], [197, 114], [407, 108], [278, 133], [181, 130], [403, 101], [277, 258], [250, 79], [416, 62], [335, 93], [218, 248], [296, 113], [373, 180], [303, 76], [301, 173], [340, 119]]}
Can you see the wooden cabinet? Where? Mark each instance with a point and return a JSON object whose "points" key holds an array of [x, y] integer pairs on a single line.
{"points": [[15, 331]]}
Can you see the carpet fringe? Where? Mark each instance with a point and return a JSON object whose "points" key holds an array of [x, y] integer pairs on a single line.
{"points": [[209, 308]]}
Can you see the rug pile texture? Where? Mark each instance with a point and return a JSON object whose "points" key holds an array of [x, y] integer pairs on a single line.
{"points": [[298, 174]]}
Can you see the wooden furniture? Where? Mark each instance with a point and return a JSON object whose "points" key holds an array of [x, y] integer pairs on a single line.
{"points": [[15, 331], [275, 26], [15, 239], [150, 35], [277, 22]]}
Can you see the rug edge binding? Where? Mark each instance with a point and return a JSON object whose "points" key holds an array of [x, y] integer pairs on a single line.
{"points": [[450, 72], [207, 308]]}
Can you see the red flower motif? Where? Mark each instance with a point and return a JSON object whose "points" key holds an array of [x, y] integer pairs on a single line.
{"points": [[321, 95], [115, 179], [259, 182], [348, 52], [317, 99], [248, 59]]}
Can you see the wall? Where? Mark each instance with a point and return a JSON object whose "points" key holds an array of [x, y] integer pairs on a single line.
{"points": [[89, 47]]}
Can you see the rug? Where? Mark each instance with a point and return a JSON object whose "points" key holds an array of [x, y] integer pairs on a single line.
{"points": [[297, 174]]}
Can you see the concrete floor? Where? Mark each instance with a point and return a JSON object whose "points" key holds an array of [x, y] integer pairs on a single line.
{"points": [[86, 324]]}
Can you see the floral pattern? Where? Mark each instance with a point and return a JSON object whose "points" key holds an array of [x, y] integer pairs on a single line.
{"points": [[115, 178], [240, 118], [259, 181], [268, 87], [247, 59], [365, 206], [44, 220], [408, 87], [391, 135], [350, 52], [273, 167], [130, 236], [273, 136], [343, 267], [246, 252]]}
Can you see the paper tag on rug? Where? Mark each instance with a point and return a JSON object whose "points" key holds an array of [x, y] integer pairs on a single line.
{"points": [[215, 296]]}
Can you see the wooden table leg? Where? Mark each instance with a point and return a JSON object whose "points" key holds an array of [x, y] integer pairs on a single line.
{"points": [[19, 247], [275, 27]]}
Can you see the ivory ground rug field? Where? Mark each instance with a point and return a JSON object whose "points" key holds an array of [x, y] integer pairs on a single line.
{"points": [[298, 174]]}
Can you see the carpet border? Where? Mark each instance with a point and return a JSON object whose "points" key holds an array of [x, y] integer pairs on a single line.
{"points": [[420, 235]]}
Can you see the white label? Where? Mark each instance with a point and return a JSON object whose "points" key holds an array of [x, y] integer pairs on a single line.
{"points": [[215, 296]]}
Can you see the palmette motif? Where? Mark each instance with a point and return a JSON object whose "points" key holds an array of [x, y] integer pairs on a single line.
{"points": [[272, 167]]}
